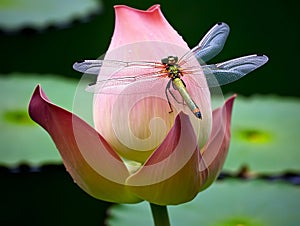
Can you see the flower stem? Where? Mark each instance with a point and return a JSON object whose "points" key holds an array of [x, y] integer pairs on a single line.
{"points": [[160, 215]]}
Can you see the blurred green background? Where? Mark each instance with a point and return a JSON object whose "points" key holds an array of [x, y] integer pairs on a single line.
{"points": [[48, 196]]}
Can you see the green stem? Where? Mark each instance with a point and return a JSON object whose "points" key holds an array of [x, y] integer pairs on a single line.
{"points": [[160, 215]]}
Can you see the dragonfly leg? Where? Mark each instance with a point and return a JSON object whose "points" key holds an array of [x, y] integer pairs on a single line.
{"points": [[166, 92], [179, 102]]}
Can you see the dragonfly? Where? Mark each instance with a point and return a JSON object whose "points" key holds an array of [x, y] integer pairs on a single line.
{"points": [[174, 68]]}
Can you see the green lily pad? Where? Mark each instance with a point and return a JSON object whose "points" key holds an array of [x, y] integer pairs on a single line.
{"points": [[15, 14], [21, 139], [226, 203], [265, 133]]}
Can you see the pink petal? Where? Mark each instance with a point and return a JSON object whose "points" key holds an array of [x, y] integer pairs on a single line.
{"points": [[172, 174], [93, 165], [215, 152], [133, 25], [143, 36]]}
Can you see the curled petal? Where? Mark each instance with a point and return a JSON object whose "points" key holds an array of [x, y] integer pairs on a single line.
{"points": [[93, 165], [216, 149], [172, 173]]}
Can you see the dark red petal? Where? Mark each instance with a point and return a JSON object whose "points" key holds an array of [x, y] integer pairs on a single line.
{"points": [[82, 148], [215, 151]]}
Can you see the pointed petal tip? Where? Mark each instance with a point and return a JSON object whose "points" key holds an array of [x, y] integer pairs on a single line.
{"points": [[229, 106], [232, 97], [181, 115], [34, 102], [154, 7], [38, 92], [229, 102], [150, 9]]}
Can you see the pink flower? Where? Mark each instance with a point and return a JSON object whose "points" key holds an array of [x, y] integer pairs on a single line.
{"points": [[176, 154]]}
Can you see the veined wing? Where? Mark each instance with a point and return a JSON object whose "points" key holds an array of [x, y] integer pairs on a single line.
{"points": [[93, 66], [210, 45], [229, 71], [112, 84]]}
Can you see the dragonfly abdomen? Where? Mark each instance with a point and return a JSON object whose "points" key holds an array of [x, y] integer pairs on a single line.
{"points": [[178, 83]]}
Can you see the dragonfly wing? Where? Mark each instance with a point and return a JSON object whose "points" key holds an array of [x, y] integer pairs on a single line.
{"points": [[210, 45], [115, 83], [232, 70], [94, 66], [97, 87]]}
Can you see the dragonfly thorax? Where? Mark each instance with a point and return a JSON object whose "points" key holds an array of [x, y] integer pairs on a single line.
{"points": [[172, 68], [173, 71]]}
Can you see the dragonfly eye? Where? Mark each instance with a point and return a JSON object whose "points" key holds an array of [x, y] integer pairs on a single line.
{"points": [[172, 60], [164, 61]]}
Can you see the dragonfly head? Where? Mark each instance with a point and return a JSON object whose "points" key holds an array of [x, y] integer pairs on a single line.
{"points": [[170, 60]]}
